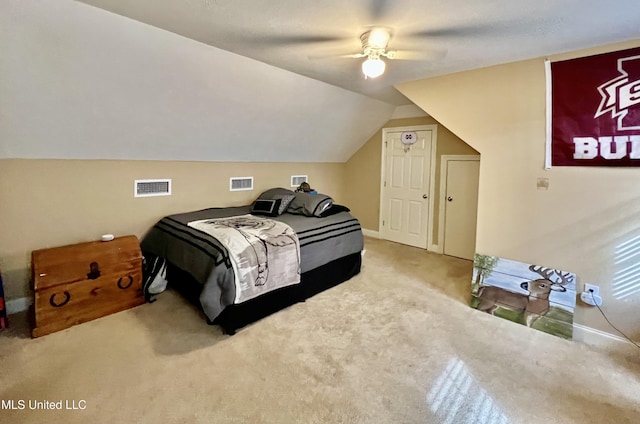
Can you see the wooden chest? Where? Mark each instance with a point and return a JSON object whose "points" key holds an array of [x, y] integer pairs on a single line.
{"points": [[81, 282]]}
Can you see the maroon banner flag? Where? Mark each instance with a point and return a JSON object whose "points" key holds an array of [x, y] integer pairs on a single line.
{"points": [[595, 110]]}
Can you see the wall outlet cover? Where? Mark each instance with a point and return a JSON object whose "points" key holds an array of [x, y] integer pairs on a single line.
{"points": [[590, 298], [543, 184], [592, 288]]}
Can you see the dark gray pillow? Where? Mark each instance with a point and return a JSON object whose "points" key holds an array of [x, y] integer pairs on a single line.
{"points": [[269, 194], [334, 209], [286, 197], [310, 204]]}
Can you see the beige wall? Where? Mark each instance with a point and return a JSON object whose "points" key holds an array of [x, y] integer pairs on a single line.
{"points": [[49, 203], [580, 224], [362, 171]]}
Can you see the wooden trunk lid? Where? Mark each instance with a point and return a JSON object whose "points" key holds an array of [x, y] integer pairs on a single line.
{"points": [[80, 262]]}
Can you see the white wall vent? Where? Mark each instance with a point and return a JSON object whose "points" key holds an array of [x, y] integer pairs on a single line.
{"points": [[148, 188], [240, 183], [296, 180]]}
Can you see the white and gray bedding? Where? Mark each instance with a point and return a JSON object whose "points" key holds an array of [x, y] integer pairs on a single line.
{"points": [[264, 253], [321, 240]]}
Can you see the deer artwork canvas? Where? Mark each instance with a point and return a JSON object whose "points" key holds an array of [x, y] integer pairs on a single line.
{"points": [[539, 297]]}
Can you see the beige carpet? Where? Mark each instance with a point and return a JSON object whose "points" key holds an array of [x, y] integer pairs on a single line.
{"points": [[396, 344]]}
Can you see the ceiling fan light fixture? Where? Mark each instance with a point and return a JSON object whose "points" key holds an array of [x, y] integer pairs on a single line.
{"points": [[373, 68], [377, 38]]}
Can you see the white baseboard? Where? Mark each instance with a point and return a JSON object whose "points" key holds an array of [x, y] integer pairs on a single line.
{"points": [[436, 248], [594, 337], [371, 233], [18, 305]]}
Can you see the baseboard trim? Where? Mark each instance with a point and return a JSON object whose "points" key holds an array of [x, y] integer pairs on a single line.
{"points": [[371, 233], [18, 305], [436, 248], [599, 338]]}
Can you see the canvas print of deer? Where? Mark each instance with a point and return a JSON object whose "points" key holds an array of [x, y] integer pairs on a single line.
{"points": [[536, 296]]}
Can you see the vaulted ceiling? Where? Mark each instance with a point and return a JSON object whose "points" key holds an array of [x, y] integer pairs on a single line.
{"points": [[308, 37], [254, 80]]}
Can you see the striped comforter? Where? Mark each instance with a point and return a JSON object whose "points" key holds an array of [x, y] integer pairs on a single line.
{"points": [[322, 240]]}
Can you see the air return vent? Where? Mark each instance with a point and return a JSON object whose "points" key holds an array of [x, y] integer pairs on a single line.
{"points": [[296, 180], [148, 188], [240, 183]]}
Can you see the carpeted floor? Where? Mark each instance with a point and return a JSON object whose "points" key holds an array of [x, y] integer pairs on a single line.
{"points": [[396, 344]]}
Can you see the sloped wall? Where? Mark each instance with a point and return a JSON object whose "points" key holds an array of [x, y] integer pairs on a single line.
{"points": [[78, 82], [580, 223]]}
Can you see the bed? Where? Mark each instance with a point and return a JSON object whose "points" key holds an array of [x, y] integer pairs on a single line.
{"points": [[225, 279]]}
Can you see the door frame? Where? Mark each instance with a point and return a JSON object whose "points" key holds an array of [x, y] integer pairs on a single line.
{"points": [[432, 183], [444, 165]]}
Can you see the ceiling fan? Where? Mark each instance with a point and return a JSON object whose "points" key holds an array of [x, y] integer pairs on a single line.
{"points": [[374, 47]]}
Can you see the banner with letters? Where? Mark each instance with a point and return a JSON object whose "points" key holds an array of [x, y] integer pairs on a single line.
{"points": [[593, 110]]}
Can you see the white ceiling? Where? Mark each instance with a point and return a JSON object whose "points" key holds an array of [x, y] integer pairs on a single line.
{"points": [[291, 34]]}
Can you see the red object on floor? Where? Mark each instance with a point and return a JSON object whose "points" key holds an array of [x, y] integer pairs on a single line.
{"points": [[4, 322]]}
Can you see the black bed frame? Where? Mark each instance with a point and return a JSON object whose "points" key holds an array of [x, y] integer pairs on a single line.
{"points": [[234, 317]]}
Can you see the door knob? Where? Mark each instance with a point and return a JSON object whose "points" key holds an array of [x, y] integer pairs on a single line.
{"points": [[424, 196], [450, 198]]}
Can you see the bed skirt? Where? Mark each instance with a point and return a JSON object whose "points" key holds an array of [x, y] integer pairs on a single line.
{"points": [[236, 316]]}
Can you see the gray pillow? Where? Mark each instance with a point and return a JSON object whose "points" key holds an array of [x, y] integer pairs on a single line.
{"points": [[269, 194], [310, 204], [286, 197]]}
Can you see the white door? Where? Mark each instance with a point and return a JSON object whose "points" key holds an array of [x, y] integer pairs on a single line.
{"points": [[461, 208], [406, 189]]}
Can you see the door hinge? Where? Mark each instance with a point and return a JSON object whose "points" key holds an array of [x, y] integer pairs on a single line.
{"points": [[386, 143], [385, 184], [383, 223]]}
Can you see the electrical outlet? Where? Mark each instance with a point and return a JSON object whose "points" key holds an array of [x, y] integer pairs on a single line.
{"points": [[592, 288], [591, 295]]}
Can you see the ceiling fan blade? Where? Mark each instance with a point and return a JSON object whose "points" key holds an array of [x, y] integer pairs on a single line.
{"points": [[336, 56], [467, 30], [290, 39], [422, 54]]}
